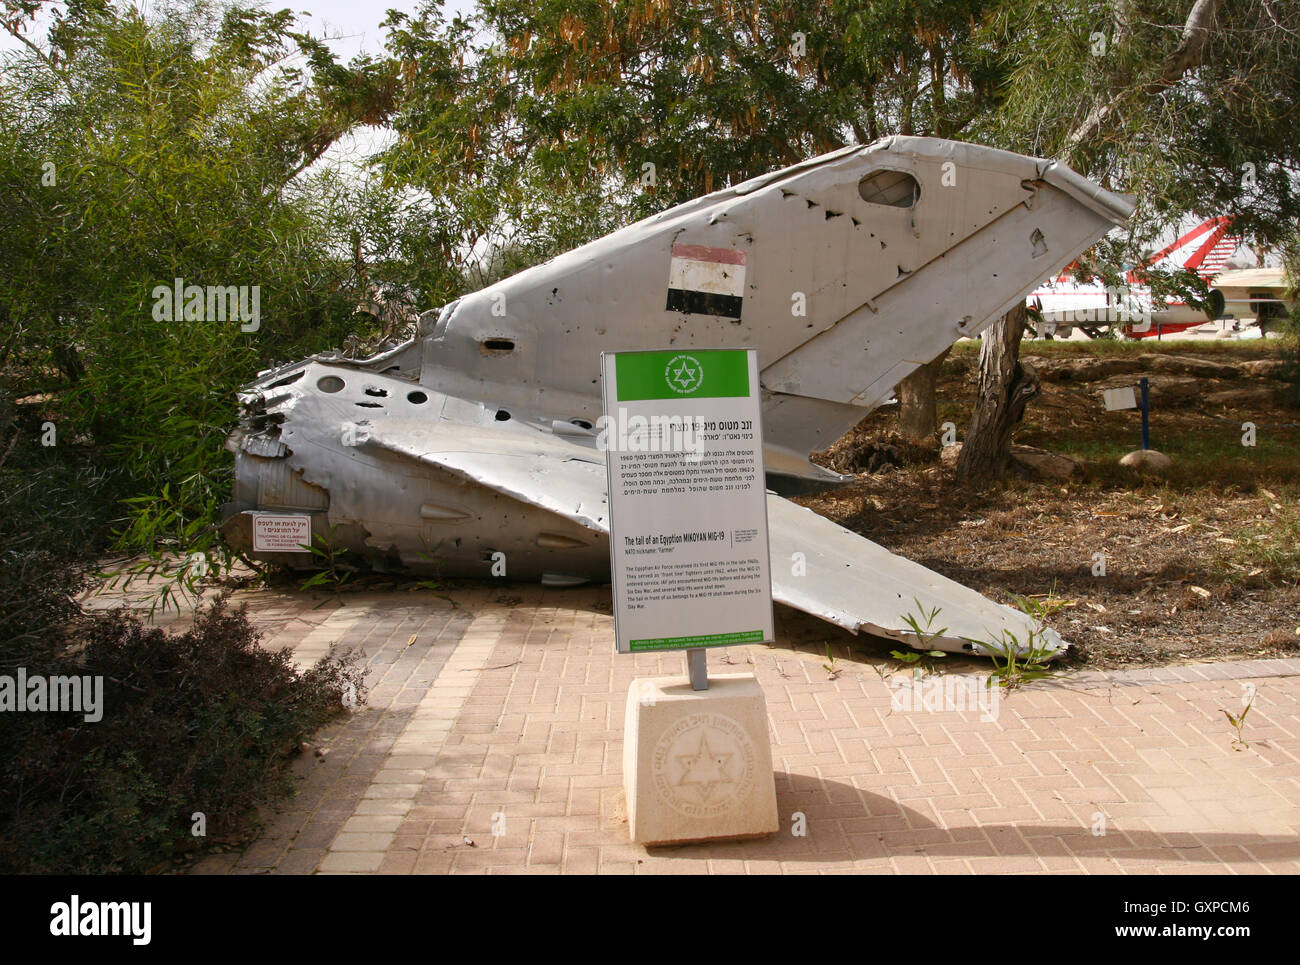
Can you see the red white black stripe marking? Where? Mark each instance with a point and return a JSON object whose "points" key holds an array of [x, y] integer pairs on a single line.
{"points": [[706, 281]]}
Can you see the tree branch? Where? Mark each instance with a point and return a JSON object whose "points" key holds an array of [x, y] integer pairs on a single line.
{"points": [[41, 55], [1189, 53]]}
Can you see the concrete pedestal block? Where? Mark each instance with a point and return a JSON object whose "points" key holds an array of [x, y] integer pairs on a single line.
{"points": [[697, 765]]}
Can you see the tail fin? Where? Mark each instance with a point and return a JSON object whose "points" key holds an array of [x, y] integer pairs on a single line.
{"points": [[1203, 250]]}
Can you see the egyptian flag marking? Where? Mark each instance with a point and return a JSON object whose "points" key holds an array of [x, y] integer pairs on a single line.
{"points": [[706, 281]]}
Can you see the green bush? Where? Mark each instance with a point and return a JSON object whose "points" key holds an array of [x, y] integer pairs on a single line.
{"points": [[201, 721], [137, 148]]}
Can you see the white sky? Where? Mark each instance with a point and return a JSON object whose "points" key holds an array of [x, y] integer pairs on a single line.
{"points": [[349, 27], [354, 24], [357, 24]]}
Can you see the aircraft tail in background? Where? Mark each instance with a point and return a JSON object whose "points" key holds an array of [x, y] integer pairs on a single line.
{"points": [[1065, 303], [1204, 250]]}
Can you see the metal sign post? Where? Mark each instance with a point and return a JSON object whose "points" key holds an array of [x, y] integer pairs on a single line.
{"points": [[697, 668], [1146, 414]]}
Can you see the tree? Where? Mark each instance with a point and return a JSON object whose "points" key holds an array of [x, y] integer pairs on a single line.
{"points": [[137, 150], [1186, 105], [571, 119], [917, 407], [567, 120]]}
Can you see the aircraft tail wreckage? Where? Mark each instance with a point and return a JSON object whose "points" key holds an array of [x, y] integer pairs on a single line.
{"points": [[474, 443]]}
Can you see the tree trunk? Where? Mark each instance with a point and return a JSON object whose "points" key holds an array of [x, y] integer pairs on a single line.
{"points": [[918, 418], [1005, 388]]}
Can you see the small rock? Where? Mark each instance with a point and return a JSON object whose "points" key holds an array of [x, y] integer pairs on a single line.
{"points": [[1264, 368], [1040, 462], [1184, 365], [1252, 396], [1147, 461]]}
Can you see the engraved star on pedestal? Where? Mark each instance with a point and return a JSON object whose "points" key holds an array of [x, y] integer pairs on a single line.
{"points": [[705, 770]]}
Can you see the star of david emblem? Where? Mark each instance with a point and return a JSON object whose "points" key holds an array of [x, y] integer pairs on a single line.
{"points": [[684, 374], [705, 770]]}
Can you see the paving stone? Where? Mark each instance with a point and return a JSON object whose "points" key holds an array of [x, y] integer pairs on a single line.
{"points": [[517, 711]]}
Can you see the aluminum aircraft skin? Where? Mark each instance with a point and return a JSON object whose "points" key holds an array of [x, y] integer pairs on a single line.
{"points": [[472, 446]]}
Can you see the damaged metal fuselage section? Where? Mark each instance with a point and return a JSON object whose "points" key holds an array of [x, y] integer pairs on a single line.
{"points": [[473, 444]]}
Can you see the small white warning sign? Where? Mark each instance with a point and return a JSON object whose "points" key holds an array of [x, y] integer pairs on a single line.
{"points": [[1121, 398], [281, 533]]}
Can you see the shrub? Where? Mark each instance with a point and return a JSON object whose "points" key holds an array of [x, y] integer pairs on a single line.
{"points": [[201, 721]]}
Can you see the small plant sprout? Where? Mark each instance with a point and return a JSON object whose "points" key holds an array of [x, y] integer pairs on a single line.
{"points": [[333, 573], [925, 634], [1014, 664], [829, 666], [1043, 608], [1239, 721], [435, 583]]}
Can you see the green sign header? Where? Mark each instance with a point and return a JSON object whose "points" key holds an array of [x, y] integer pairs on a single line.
{"points": [[690, 374]]}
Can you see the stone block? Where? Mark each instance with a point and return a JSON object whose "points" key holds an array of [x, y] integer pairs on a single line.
{"points": [[697, 765]]}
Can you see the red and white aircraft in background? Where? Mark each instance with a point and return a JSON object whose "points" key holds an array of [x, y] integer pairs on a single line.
{"points": [[1065, 303]]}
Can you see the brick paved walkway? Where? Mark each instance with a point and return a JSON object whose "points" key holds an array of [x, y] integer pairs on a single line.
{"points": [[492, 742]]}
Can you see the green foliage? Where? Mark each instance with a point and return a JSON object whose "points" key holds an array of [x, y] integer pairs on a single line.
{"points": [[1040, 608], [332, 573], [37, 602], [534, 127], [134, 150], [921, 656], [202, 721], [1193, 119], [1015, 664], [829, 666]]}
